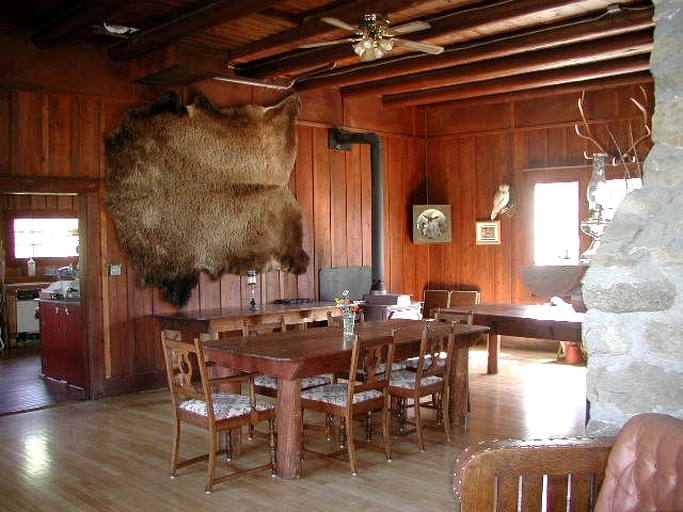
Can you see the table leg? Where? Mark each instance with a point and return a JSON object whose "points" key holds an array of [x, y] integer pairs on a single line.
{"points": [[289, 429], [459, 384], [494, 350]]}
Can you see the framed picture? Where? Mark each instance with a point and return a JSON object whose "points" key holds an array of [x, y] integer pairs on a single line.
{"points": [[488, 232], [431, 223]]}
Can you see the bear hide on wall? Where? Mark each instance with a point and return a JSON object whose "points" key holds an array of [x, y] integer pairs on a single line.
{"points": [[195, 188]]}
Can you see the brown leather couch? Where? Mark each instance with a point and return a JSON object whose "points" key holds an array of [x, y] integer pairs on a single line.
{"points": [[641, 470]]}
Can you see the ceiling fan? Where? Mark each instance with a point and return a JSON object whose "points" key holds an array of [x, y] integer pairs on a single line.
{"points": [[372, 38]]}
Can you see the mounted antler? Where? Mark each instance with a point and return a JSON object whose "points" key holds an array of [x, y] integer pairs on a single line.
{"points": [[629, 155], [589, 135], [647, 131]]}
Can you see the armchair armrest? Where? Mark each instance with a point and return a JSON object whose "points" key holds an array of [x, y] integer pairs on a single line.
{"points": [[498, 475]]}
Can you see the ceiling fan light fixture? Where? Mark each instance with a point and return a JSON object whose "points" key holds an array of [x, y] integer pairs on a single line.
{"points": [[372, 53], [372, 39], [386, 44]]}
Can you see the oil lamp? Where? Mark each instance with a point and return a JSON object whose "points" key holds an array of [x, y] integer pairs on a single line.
{"points": [[251, 282]]}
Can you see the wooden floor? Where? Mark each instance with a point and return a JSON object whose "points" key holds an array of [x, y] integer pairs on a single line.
{"points": [[22, 388], [114, 454]]}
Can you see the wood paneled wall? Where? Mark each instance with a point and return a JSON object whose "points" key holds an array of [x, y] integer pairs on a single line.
{"points": [[52, 130], [54, 126], [472, 147]]}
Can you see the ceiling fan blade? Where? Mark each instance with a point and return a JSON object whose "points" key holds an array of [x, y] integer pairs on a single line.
{"points": [[413, 26], [327, 43], [339, 24], [420, 47]]}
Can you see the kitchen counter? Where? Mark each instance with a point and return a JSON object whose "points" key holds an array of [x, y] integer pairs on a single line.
{"points": [[59, 301]]}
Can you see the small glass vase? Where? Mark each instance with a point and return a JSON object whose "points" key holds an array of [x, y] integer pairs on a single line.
{"points": [[349, 320]]}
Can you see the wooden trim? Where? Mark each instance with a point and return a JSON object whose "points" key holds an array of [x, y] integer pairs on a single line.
{"points": [[552, 77], [496, 47], [38, 185]]}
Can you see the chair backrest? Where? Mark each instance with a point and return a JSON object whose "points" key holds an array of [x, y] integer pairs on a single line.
{"points": [[645, 467], [186, 371], [499, 475], [432, 299], [458, 298], [249, 329], [371, 357], [436, 351], [464, 297]]}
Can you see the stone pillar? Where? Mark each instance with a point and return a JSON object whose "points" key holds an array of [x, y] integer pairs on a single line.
{"points": [[633, 329]]}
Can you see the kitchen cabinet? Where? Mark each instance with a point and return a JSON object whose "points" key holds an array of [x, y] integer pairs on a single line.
{"points": [[61, 341]]}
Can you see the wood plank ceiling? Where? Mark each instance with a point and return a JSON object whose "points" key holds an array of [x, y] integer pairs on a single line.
{"points": [[490, 47]]}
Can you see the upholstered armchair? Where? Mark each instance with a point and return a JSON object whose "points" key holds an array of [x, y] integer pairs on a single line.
{"points": [[641, 470]]}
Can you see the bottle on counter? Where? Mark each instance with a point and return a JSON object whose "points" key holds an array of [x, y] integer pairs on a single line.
{"points": [[31, 266]]}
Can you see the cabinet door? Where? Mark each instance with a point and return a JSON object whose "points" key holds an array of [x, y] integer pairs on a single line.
{"points": [[50, 341], [73, 353]]}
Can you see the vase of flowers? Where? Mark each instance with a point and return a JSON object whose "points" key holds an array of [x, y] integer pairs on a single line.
{"points": [[348, 309]]}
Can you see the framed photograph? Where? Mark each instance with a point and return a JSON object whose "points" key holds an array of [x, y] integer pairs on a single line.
{"points": [[488, 232], [431, 223]]}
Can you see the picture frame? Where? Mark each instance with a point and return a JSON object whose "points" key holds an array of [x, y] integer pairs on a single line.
{"points": [[488, 232], [432, 223]]}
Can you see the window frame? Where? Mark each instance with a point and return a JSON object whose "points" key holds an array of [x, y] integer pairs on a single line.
{"points": [[582, 175], [34, 214]]}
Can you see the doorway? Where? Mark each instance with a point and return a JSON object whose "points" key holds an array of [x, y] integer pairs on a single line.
{"points": [[23, 388], [20, 368]]}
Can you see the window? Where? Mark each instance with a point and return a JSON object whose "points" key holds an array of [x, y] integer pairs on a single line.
{"points": [[557, 218], [556, 223], [45, 237]]}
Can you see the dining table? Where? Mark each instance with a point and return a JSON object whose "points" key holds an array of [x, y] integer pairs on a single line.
{"points": [[212, 323], [292, 355], [558, 322]]}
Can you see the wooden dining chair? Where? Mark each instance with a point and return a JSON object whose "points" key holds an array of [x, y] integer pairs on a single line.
{"points": [[429, 379], [345, 400], [196, 400], [464, 298], [432, 299], [265, 384]]}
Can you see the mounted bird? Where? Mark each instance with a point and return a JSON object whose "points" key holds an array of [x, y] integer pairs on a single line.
{"points": [[504, 202]]}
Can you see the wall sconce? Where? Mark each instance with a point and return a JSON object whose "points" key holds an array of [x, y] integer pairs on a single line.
{"points": [[251, 282]]}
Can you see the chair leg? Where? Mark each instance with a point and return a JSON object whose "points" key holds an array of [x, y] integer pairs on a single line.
{"points": [[445, 399], [302, 441], [351, 445], [438, 404], [402, 415], [229, 446], [176, 449], [418, 424], [386, 429], [272, 448], [368, 426], [211, 471], [342, 432], [328, 426]]}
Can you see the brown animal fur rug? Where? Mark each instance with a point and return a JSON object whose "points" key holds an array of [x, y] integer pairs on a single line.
{"points": [[194, 188]]}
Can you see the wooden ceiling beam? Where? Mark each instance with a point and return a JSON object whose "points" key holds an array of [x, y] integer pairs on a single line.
{"points": [[560, 34], [554, 58], [313, 26], [84, 14], [447, 24], [203, 18], [538, 79]]}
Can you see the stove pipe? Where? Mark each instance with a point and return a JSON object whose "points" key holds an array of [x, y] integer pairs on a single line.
{"points": [[341, 139]]}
